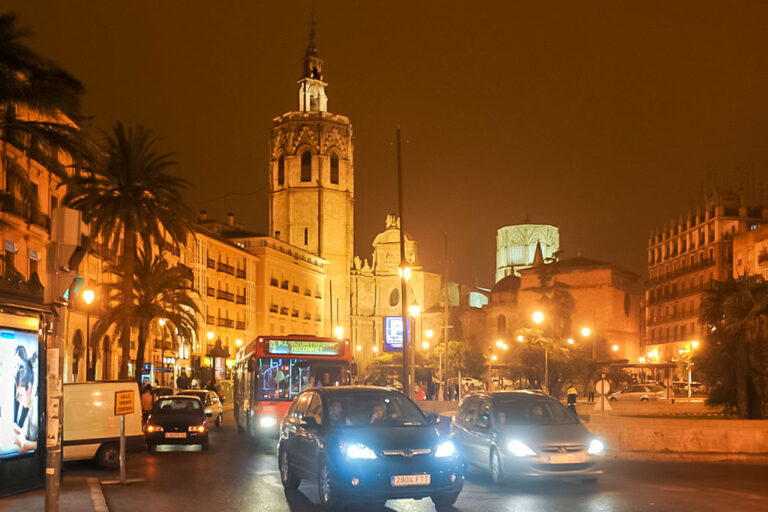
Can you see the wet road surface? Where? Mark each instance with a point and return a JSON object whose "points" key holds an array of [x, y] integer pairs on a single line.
{"points": [[232, 476]]}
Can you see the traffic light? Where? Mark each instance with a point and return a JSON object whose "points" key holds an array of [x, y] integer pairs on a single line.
{"points": [[63, 254]]}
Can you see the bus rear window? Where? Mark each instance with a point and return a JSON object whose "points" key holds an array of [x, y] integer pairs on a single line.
{"points": [[284, 378]]}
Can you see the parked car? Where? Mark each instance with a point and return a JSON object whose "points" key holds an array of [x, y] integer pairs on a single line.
{"points": [[214, 411], [178, 419], [366, 444], [641, 393], [91, 429], [525, 434], [159, 391]]}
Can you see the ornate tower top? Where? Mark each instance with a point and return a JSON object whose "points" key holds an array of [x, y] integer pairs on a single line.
{"points": [[312, 96]]}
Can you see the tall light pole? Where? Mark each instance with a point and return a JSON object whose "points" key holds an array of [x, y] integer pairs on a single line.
{"points": [[538, 318], [414, 311], [694, 345], [88, 296], [585, 332], [162, 323]]}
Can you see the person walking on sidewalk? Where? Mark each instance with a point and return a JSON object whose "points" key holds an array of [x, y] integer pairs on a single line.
{"points": [[572, 394], [591, 391]]}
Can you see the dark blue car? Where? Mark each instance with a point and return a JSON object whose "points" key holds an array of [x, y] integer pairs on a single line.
{"points": [[366, 444]]}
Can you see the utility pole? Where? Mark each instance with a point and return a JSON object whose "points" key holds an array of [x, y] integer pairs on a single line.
{"points": [[408, 370], [445, 321]]}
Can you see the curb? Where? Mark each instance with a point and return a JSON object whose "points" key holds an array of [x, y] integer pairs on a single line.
{"points": [[97, 495]]}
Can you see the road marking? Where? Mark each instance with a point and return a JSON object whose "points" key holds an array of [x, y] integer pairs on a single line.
{"points": [[97, 497]]}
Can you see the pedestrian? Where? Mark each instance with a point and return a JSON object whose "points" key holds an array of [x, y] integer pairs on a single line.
{"points": [[147, 400], [591, 391], [193, 385], [572, 394], [211, 385]]}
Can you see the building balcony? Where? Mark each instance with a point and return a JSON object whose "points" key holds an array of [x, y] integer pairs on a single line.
{"points": [[295, 313], [225, 322], [308, 292], [211, 291], [762, 257], [228, 296], [274, 308], [284, 311], [240, 273], [226, 269], [11, 204], [273, 282], [210, 319], [211, 263], [284, 285], [240, 325], [307, 316], [240, 299], [295, 289]]}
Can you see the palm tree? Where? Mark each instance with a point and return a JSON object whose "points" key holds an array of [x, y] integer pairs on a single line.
{"points": [[159, 290], [129, 196], [39, 111], [736, 315]]}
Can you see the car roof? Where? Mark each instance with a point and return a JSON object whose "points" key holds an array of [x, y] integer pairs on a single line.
{"points": [[173, 397], [340, 389], [512, 393]]}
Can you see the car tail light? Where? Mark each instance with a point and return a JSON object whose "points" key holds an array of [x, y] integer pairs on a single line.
{"points": [[197, 428], [154, 428]]}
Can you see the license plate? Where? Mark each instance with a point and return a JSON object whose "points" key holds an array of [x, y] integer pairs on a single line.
{"points": [[566, 459], [171, 435], [404, 480]]}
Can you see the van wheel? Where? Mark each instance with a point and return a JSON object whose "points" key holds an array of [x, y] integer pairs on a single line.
{"points": [[108, 456]]}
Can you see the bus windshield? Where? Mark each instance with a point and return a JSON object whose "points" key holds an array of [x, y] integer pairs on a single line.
{"points": [[282, 378]]}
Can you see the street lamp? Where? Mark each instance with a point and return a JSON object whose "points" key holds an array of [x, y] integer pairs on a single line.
{"points": [[615, 348], [694, 345], [359, 348], [210, 335], [338, 331], [586, 332], [413, 311], [571, 341], [425, 345], [162, 323], [520, 338], [405, 273], [538, 317], [88, 296], [239, 342]]}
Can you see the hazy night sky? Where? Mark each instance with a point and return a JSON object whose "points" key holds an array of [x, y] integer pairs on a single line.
{"points": [[601, 118]]}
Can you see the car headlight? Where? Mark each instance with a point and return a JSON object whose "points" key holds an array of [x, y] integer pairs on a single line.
{"points": [[596, 447], [445, 449], [360, 451], [196, 428], [520, 449], [208, 411], [267, 421], [154, 428]]}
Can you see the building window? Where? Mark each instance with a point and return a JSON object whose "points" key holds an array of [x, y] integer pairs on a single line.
{"points": [[306, 236], [394, 297], [306, 166], [334, 169], [281, 170]]}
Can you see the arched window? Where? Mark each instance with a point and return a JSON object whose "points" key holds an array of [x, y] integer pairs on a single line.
{"points": [[306, 166], [334, 169], [502, 325], [394, 297], [281, 170]]}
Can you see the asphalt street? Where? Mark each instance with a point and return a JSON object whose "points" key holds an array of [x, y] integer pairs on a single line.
{"points": [[231, 476]]}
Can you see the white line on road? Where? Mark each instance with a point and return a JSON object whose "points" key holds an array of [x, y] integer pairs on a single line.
{"points": [[97, 497]]}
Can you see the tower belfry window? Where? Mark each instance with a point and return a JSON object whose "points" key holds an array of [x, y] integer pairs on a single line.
{"points": [[281, 170], [334, 169], [306, 166]]}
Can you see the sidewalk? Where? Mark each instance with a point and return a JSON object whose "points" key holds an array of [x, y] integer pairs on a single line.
{"points": [[78, 494]]}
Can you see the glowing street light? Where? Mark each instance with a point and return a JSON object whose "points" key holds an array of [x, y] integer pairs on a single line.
{"points": [[425, 345], [538, 317], [586, 331], [360, 347], [520, 338], [414, 310], [615, 348], [405, 273], [494, 357], [88, 296], [338, 331], [571, 341], [695, 344], [375, 349], [429, 333], [210, 335], [499, 343], [239, 342]]}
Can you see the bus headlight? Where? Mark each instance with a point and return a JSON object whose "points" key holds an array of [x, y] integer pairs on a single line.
{"points": [[596, 447], [267, 421]]}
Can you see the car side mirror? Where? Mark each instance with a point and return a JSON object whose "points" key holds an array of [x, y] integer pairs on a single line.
{"points": [[432, 418], [309, 422]]}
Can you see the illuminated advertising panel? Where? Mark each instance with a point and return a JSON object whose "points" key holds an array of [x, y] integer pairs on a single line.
{"points": [[305, 347], [18, 392], [393, 333]]}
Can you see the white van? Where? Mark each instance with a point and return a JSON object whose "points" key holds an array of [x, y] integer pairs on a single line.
{"points": [[91, 429]]}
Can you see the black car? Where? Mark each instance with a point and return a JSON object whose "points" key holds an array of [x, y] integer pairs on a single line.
{"points": [[178, 419], [366, 444]]}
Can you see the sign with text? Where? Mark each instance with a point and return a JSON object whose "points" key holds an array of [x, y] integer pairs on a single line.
{"points": [[393, 333], [123, 402], [305, 347]]}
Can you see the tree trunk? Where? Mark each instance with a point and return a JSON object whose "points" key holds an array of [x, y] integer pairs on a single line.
{"points": [[129, 257], [140, 351], [742, 369]]}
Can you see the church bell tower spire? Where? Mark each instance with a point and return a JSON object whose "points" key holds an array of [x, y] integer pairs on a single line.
{"points": [[312, 96]]}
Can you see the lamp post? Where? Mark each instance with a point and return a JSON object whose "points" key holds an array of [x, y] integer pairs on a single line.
{"points": [[88, 296], [538, 318], [586, 332], [413, 311], [694, 345]]}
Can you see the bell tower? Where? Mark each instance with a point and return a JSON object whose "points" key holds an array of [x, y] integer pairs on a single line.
{"points": [[311, 186]]}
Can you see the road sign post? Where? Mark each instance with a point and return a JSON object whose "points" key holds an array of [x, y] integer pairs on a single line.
{"points": [[123, 406], [603, 387]]}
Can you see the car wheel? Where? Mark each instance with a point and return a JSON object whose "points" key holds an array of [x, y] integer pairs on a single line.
{"points": [[329, 496], [150, 447], [443, 501], [644, 399], [219, 420], [497, 472], [612, 399], [288, 477], [108, 456], [204, 445]]}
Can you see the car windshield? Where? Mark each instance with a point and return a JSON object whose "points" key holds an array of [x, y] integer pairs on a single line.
{"points": [[178, 406], [525, 411], [372, 408]]}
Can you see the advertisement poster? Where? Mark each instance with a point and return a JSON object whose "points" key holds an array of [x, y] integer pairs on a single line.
{"points": [[393, 333], [18, 392]]}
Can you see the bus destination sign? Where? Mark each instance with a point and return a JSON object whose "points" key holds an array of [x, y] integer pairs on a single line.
{"points": [[305, 347]]}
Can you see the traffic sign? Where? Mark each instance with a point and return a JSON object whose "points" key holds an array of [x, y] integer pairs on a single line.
{"points": [[123, 402], [603, 387]]}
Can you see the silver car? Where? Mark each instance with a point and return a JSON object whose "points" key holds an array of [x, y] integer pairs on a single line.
{"points": [[525, 435], [641, 393]]}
